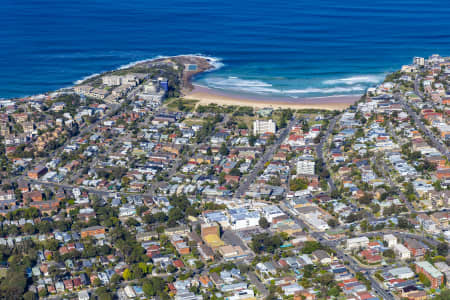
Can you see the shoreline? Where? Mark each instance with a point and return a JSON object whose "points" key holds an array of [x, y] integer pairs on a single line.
{"points": [[207, 96]]}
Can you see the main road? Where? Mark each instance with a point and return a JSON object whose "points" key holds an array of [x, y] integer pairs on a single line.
{"points": [[333, 244], [268, 154], [437, 143]]}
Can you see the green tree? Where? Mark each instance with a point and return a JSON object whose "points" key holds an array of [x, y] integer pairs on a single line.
{"points": [[311, 246], [426, 282], [389, 253], [334, 291], [175, 214], [366, 199], [264, 223], [223, 150], [13, 285], [126, 274], [171, 269], [332, 222], [264, 242], [29, 296], [103, 294], [144, 267], [325, 279], [444, 295], [43, 293], [298, 184], [115, 279], [148, 289], [404, 223], [442, 249], [154, 286]]}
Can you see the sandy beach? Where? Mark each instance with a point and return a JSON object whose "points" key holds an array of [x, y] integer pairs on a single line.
{"points": [[207, 96]]}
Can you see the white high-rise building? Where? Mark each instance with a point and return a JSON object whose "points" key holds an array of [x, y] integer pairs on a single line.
{"points": [[112, 80], [419, 61], [263, 126], [305, 167]]}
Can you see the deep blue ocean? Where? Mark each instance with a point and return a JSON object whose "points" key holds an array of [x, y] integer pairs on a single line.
{"points": [[271, 47]]}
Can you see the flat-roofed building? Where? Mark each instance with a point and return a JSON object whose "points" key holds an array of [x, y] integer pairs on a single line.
{"points": [[402, 273], [229, 252], [37, 172], [357, 242], [209, 229], [264, 126], [305, 167], [272, 212], [445, 269], [434, 275], [112, 80]]}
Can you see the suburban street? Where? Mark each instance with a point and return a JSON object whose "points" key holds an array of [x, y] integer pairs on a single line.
{"points": [[282, 159], [268, 154], [334, 244], [319, 150], [385, 170], [435, 141]]}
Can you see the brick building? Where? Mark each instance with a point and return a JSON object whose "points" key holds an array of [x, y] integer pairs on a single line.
{"points": [[37, 172], [434, 275]]}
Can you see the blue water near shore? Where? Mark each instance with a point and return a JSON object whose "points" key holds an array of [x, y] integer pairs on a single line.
{"points": [[284, 48]]}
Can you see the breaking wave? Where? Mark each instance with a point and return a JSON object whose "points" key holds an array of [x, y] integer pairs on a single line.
{"points": [[355, 79], [332, 90], [260, 87], [241, 85]]}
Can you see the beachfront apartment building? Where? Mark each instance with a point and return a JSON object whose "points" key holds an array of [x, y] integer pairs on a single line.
{"points": [[419, 61], [128, 79], [112, 80], [264, 126], [97, 93]]}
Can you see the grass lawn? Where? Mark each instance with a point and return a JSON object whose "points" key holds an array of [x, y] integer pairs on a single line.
{"points": [[3, 272], [247, 120], [193, 121], [180, 104]]}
